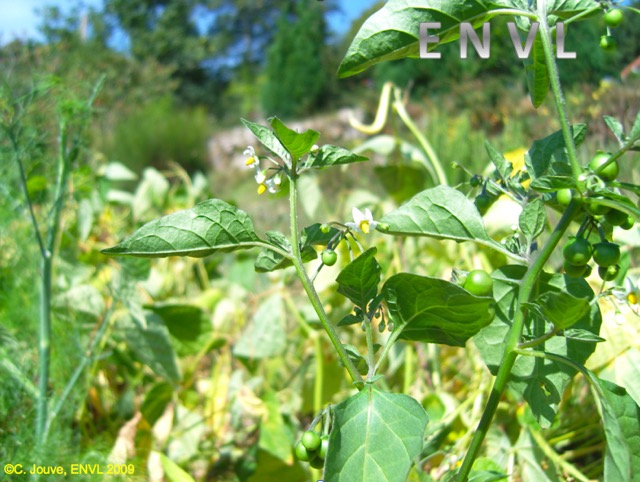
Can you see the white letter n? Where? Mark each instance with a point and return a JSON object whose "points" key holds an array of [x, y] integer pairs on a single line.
{"points": [[482, 48]]}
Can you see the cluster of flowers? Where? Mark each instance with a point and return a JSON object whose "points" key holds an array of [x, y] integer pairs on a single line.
{"points": [[271, 184], [363, 222]]}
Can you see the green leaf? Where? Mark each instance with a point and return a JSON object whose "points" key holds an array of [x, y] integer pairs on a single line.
{"points": [[531, 459], [275, 436], [269, 140], [552, 183], [152, 345], [504, 167], [582, 335], [562, 309], [359, 280], [156, 401], [173, 471], [209, 226], [268, 260], [188, 325], [537, 72], [394, 31], [548, 156], [329, 155], [296, 144], [434, 310], [350, 320], [358, 360], [569, 8], [615, 127], [532, 220], [84, 300], [265, 336], [313, 235], [540, 381], [617, 201], [635, 129], [272, 469], [376, 437], [442, 213], [401, 181], [621, 417]]}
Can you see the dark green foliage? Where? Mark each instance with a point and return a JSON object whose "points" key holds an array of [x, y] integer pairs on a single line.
{"points": [[296, 77]]}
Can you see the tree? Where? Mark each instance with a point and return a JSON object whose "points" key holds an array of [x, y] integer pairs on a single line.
{"points": [[165, 31], [296, 77]]}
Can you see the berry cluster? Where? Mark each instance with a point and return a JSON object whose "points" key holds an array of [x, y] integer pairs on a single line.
{"points": [[578, 251], [612, 19], [312, 448]]}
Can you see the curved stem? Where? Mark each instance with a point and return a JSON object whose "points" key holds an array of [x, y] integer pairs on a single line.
{"points": [[424, 143], [541, 339], [310, 290]]}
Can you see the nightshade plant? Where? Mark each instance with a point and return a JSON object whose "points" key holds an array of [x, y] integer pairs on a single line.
{"points": [[535, 328]]}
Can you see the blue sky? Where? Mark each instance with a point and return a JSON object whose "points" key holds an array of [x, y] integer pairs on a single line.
{"points": [[18, 18]]}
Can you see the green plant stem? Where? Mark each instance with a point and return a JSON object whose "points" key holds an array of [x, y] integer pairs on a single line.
{"points": [[106, 321], [44, 332], [310, 290], [23, 181], [319, 375], [541, 339], [513, 338], [371, 357], [408, 375], [424, 143], [556, 89]]}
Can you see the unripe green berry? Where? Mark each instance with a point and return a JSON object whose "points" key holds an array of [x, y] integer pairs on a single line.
{"points": [[302, 454], [311, 440], [608, 273], [329, 257], [613, 17]]}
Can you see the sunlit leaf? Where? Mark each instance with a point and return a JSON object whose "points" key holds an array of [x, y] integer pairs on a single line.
{"points": [[442, 213], [210, 226], [329, 155], [376, 437], [296, 144], [269, 140], [434, 310]]}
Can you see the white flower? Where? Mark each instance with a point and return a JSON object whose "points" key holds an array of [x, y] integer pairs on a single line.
{"points": [[362, 222], [252, 160], [273, 184], [627, 294], [260, 177]]}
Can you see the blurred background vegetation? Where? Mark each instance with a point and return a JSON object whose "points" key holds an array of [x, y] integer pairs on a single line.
{"points": [[223, 372]]}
